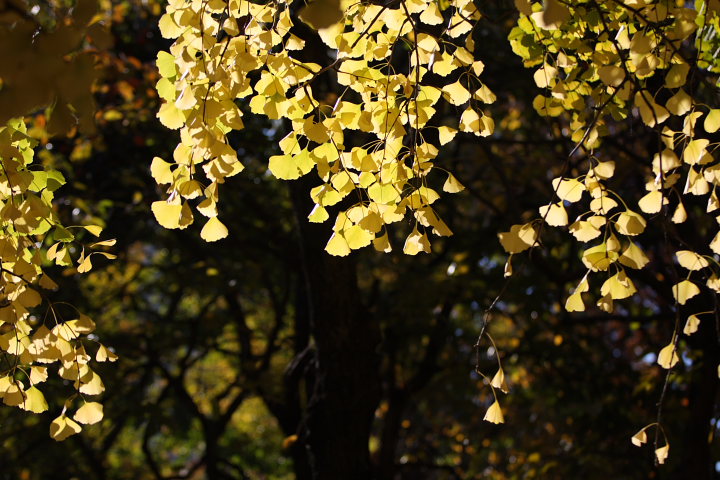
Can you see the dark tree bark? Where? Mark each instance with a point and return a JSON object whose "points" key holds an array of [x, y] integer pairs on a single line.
{"points": [[346, 338], [697, 456]]}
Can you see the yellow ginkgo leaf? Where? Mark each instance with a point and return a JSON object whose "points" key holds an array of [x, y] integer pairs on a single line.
{"points": [[618, 286], [451, 185], [104, 354], [167, 214], [676, 75], [584, 231], [634, 257], [38, 374], [499, 379], [554, 214], [599, 257], [574, 303], [63, 427], [568, 189], [382, 243], [652, 202], [714, 283], [668, 357], [553, 15], [494, 414], [213, 230], [630, 223], [662, 454], [695, 151], [519, 238], [90, 413], [446, 134], [170, 116], [691, 260], [456, 93], [91, 384], [34, 401], [94, 229], [85, 265], [712, 121], [357, 237], [684, 291], [416, 243], [692, 325], [431, 15], [639, 438], [680, 214], [611, 75], [318, 214], [337, 245]]}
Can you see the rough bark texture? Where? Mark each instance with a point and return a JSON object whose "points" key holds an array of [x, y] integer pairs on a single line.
{"points": [[346, 339], [698, 462]]}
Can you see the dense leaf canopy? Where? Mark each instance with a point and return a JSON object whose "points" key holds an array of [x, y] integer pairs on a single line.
{"points": [[235, 159]]}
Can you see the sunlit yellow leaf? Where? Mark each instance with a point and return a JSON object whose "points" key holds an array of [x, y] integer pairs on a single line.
{"points": [[498, 381], [160, 170], [38, 374], [451, 185], [618, 286], [63, 427], [652, 202], [712, 121], [684, 291], [599, 257], [695, 151], [104, 354], [691, 260], [494, 414], [634, 257], [85, 265], [519, 238], [213, 230], [170, 116], [668, 357], [691, 325], [90, 413], [446, 134], [714, 283], [166, 64], [639, 438], [680, 214], [357, 237], [416, 243], [167, 214], [662, 454], [554, 214], [94, 229], [34, 401], [574, 303], [456, 93], [630, 223], [611, 75], [584, 231], [337, 245], [553, 15], [568, 189]]}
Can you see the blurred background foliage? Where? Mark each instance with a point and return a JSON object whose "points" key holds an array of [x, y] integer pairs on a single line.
{"points": [[216, 345]]}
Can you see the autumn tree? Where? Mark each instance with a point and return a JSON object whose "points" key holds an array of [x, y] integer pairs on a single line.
{"points": [[378, 108]]}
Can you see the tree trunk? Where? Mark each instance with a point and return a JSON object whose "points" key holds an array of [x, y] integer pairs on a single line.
{"points": [[346, 337]]}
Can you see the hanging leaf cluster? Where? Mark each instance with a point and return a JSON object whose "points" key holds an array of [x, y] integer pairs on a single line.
{"points": [[394, 66], [45, 65], [35, 334]]}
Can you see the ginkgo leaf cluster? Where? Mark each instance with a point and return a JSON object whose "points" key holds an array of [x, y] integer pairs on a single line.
{"points": [[214, 64]]}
